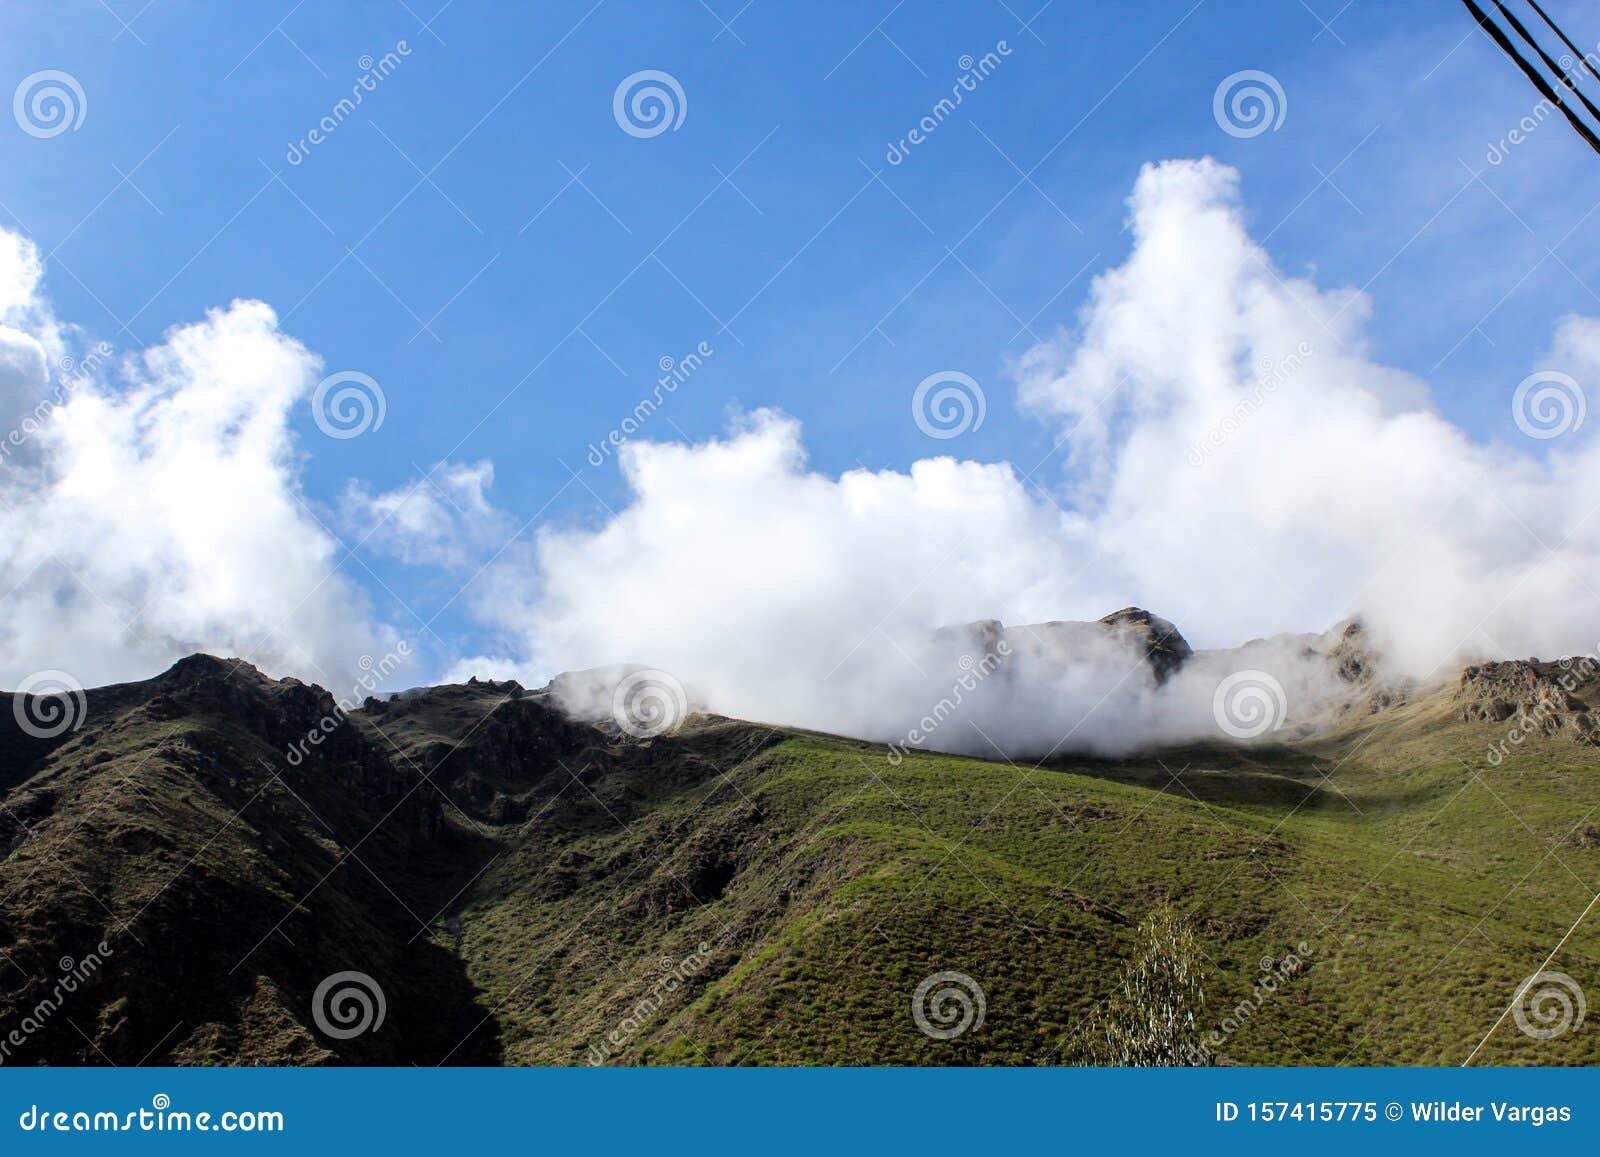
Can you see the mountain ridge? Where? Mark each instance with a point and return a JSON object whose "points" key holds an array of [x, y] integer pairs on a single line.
{"points": [[520, 884]]}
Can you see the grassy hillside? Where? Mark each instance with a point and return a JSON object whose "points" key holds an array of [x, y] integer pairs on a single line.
{"points": [[530, 890]]}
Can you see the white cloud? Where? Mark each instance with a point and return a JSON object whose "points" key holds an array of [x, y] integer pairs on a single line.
{"points": [[154, 511], [782, 595], [444, 519], [768, 587], [21, 270], [1234, 458], [1341, 491], [24, 355], [1328, 485]]}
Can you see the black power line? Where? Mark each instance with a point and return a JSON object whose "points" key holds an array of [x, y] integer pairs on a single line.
{"points": [[1497, 34], [1582, 57], [1549, 63]]}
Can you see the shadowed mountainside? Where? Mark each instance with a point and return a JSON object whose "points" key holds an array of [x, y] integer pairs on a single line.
{"points": [[524, 888]]}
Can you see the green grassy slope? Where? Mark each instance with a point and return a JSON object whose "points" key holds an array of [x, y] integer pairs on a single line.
{"points": [[529, 890], [1425, 889]]}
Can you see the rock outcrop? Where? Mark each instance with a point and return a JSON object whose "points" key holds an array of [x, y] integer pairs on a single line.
{"points": [[1534, 696], [1163, 645]]}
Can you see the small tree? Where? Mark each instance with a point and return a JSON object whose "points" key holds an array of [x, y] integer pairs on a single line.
{"points": [[1152, 1018]]}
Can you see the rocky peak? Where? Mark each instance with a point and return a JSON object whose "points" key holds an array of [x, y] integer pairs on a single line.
{"points": [[200, 666], [1064, 642], [1163, 644], [1349, 649]]}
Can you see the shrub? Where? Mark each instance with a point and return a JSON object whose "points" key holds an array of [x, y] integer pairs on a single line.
{"points": [[1152, 1018]]}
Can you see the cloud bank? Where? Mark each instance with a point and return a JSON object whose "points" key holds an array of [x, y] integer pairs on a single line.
{"points": [[150, 505], [1231, 455], [1340, 490]]}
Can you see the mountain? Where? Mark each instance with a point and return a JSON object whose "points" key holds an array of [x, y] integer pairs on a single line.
{"points": [[217, 867]]}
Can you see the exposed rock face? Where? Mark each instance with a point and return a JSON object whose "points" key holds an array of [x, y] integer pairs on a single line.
{"points": [[1066, 642], [1161, 642], [1535, 696], [1349, 650]]}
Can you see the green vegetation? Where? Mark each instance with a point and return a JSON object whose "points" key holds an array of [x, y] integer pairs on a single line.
{"points": [[528, 890], [1153, 1016]]}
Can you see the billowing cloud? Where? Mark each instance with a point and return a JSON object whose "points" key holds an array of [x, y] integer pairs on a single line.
{"points": [[29, 339], [149, 505], [1233, 457], [773, 589], [443, 519], [1256, 471]]}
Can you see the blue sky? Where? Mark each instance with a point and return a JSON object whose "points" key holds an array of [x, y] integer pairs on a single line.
{"points": [[483, 240]]}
